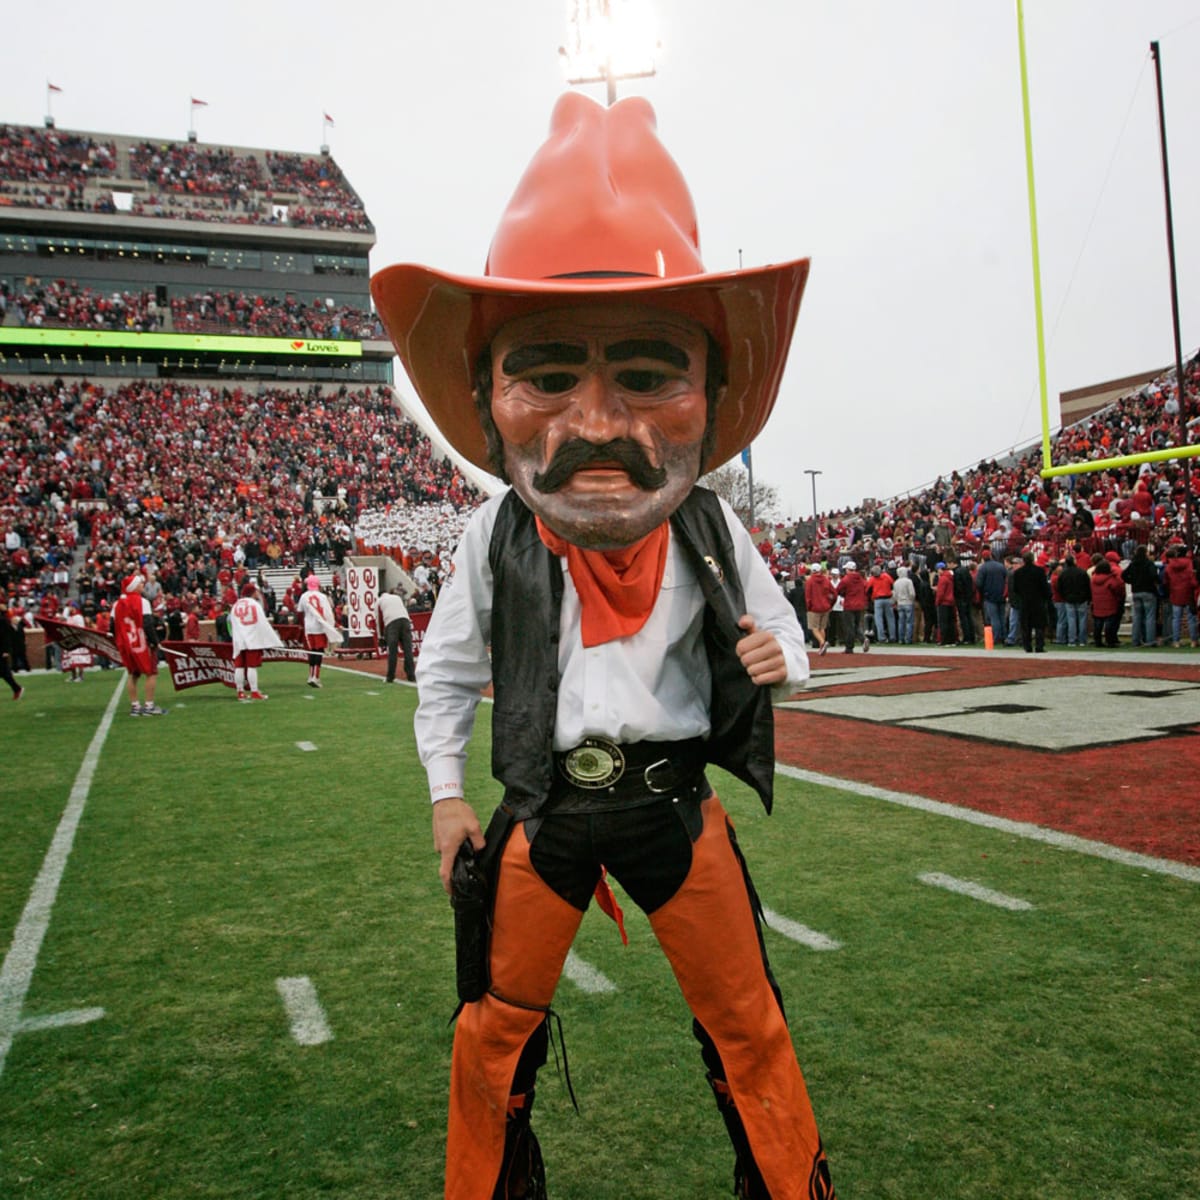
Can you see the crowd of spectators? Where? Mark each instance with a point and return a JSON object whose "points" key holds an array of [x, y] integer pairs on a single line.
{"points": [[187, 476], [1007, 507], [43, 168], [196, 170], [1004, 510], [45, 156], [407, 531], [330, 202], [65, 304], [271, 316], [195, 477]]}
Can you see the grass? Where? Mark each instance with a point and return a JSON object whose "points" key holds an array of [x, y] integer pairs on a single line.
{"points": [[952, 1049]]}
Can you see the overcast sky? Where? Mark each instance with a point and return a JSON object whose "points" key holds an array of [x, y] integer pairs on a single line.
{"points": [[884, 140]]}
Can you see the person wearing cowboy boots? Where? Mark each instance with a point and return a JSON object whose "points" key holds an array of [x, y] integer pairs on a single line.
{"points": [[630, 629]]}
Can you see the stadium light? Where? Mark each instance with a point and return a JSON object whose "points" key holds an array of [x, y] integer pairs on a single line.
{"points": [[609, 40], [812, 475]]}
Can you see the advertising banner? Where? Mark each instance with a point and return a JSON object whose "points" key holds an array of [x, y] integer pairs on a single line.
{"points": [[174, 343]]}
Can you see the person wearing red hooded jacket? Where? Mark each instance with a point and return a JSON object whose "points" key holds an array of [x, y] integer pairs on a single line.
{"points": [[1179, 580], [819, 597], [943, 597], [1108, 599], [853, 591]]}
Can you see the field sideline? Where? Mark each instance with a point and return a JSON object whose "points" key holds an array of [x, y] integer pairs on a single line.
{"points": [[234, 980]]}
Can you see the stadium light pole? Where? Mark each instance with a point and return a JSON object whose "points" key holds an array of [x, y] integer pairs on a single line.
{"points": [[604, 45], [1180, 381], [812, 475]]}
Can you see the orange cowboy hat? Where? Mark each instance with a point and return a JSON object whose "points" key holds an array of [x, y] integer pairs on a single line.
{"points": [[602, 213]]}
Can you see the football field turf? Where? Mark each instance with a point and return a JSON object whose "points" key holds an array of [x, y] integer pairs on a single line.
{"points": [[234, 978]]}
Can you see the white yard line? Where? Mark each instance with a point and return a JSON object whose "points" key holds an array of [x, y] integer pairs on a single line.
{"points": [[306, 746], [22, 956], [72, 1016], [309, 1026], [799, 933], [1021, 829], [976, 891], [586, 977]]}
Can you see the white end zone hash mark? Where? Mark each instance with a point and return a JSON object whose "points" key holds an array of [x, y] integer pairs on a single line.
{"points": [[976, 891], [309, 1026]]}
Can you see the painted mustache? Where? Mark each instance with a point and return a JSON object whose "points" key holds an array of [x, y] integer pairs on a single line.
{"points": [[623, 452]]}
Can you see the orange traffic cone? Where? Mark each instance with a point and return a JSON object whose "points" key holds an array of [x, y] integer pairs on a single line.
{"points": [[989, 642]]}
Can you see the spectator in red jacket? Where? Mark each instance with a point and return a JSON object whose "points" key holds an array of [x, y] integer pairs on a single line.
{"points": [[1108, 599], [853, 591], [943, 597], [879, 589], [819, 597], [1179, 579]]}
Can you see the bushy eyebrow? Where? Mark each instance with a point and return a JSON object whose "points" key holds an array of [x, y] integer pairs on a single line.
{"points": [[541, 354], [523, 358], [654, 348]]}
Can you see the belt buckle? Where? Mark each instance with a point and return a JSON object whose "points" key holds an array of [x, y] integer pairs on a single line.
{"points": [[595, 763]]}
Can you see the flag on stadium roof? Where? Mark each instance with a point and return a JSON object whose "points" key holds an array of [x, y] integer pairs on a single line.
{"points": [[330, 119], [53, 86], [199, 103]]}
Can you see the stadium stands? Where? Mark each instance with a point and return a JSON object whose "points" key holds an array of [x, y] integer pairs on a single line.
{"points": [[191, 181], [64, 303], [1007, 507], [271, 316], [163, 471], [205, 461]]}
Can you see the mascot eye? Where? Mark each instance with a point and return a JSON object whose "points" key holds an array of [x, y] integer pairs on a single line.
{"points": [[641, 382], [554, 382]]}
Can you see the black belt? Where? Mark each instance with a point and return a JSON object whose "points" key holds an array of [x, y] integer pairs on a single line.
{"points": [[599, 773]]}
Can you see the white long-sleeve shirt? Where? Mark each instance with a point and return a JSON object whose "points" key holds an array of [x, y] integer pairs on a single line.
{"points": [[391, 608], [653, 685]]}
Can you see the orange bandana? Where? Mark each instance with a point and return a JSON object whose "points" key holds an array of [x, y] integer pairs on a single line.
{"points": [[617, 588]]}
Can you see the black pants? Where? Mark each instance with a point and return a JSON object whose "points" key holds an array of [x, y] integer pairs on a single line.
{"points": [[852, 626], [1032, 635], [945, 620], [398, 634], [966, 620]]}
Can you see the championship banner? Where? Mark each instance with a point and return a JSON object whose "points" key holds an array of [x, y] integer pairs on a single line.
{"points": [[193, 664], [362, 608], [79, 637]]}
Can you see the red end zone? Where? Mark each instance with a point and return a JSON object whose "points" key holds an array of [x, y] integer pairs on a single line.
{"points": [[1089, 746]]}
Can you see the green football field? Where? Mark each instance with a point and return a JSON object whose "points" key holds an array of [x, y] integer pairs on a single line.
{"points": [[235, 979]]}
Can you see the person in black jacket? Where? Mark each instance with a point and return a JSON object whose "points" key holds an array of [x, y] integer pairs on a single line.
{"points": [[1075, 588], [1031, 592], [964, 599], [1142, 577], [12, 649]]}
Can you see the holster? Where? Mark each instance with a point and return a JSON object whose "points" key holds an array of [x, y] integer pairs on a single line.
{"points": [[472, 893]]}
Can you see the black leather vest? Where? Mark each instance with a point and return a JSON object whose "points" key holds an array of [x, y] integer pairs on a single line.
{"points": [[526, 606]]}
